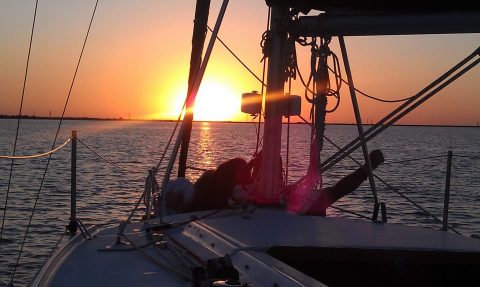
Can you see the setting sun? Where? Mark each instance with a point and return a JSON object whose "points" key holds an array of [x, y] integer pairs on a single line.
{"points": [[216, 102]]}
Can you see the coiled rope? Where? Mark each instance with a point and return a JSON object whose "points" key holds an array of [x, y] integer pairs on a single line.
{"points": [[336, 72], [37, 155]]}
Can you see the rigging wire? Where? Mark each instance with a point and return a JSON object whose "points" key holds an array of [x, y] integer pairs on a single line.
{"points": [[414, 159], [54, 142], [257, 145], [193, 93], [184, 275], [102, 157], [467, 156], [422, 96], [18, 122], [288, 131], [338, 75], [197, 168], [124, 224], [368, 96], [421, 208], [171, 137], [164, 226], [350, 212], [262, 81], [157, 168], [236, 57]]}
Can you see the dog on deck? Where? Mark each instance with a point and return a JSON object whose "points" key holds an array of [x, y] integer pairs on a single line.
{"points": [[212, 190]]}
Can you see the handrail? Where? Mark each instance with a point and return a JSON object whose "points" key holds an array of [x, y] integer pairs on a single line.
{"points": [[37, 155]]}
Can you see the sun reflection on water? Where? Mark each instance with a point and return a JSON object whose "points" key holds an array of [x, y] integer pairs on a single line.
{"points": [[204, 148]]}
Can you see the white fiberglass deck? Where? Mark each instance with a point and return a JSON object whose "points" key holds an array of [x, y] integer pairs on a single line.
{"points": [[245, 237]]}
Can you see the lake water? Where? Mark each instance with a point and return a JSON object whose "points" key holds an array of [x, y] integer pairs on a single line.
{"points": [[106, 194]]}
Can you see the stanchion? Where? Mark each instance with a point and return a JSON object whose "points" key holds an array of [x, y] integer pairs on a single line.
{"points": [[447, 190], [73, 225]]}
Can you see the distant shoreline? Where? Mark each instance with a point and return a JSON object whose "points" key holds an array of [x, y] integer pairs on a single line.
{"points": [[230, 122]]}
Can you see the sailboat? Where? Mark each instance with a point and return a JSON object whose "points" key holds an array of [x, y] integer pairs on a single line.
{"points": [[260, 242]]}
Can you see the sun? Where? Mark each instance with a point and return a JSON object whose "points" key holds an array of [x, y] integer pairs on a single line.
{"points": [[215, 102]]}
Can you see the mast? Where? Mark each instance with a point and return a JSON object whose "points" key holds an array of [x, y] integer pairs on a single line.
{"points": [[198, 40], [270, 170]]}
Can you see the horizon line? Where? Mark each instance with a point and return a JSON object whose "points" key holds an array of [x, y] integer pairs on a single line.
{"points": [[200, 121]]}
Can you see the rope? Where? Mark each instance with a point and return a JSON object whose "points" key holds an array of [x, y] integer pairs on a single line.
{"points": [[257, 130], [238, 59], [169, 225], [83, 230], [338, 75], [37, 155], [178, 252], [422, 96], [322, 52], [467, 156], [413, 159], [300, 74], [391, 187], [259, 142], [262, 81], [397, 191], [5, 206], [197, 168], [361, 134], [162, 247], [102, 157], [124, 224], [371, 97], [351, 212], [155, 170], [54, 141], [191, 97], [156, 262], [414, 203], [171, 136], [85, 233], [288, 132], [151, 190]]}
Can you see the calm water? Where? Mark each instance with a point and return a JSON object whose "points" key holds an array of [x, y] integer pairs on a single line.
{"points": [[106, 194]]}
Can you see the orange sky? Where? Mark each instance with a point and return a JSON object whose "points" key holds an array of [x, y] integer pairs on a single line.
{"points": [[136, 63]]}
